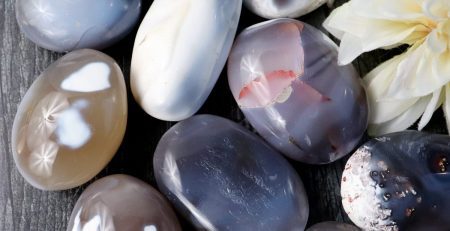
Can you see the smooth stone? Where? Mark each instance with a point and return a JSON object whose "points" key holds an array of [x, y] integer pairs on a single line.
{"points": [[283, 8], [121, 202], [332, 226], [222, 177], [71, 121], [179, 52], [399, 182], [285, 78], [70, 25]]}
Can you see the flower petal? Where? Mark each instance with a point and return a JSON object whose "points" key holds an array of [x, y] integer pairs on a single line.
{"points": [[420, 74], [436, 9], [446, 106], [361, 34], [402, 122], [377, 82], [388, 9], [432, 106]]}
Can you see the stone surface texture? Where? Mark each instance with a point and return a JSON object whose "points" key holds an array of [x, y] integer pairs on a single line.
{"points": [[285, 78], [69, 25], [222, 177], [399, 182], [179, 52], [121, 202], [71, 121], [283, 8]]}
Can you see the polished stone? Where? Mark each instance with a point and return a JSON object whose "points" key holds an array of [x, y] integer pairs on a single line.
{"points": [[222, 177], [283, 8], [285, 78], [179, 52], [400, 181], [121, 202], [71, 121], [69, 25], [332, 226]]}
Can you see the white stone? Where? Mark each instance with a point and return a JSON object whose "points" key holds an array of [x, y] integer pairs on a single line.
{"points": [[179, 52]]}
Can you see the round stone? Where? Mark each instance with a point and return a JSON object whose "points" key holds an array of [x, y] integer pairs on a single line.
{"points": [[222, 177], [71, 121], [283, 8], [69, 25], [399, 182], [285, 78], [121, 202]]}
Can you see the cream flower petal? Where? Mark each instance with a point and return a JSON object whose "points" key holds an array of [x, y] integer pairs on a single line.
{"points": [[432, 106], [362, 34], [436, 9], [420, 74], [389, 9], [446, 105], [408, 86], [401, 122], [377, 82]]}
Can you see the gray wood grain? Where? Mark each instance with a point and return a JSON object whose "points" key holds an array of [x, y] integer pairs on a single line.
{"points": [[23, 207]]}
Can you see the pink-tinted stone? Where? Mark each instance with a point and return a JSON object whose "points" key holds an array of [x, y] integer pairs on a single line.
{"points": [[284, 76]]}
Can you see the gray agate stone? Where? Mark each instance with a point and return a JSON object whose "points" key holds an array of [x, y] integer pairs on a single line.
{"points": [[285, 78], [69, 25], [121, 202], [400, 181], [222, 177], [332, 226]]}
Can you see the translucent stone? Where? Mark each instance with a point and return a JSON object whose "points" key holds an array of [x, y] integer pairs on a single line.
{"points": [[283, 8], [332, 226], [69, 25], [222, 177], [399, 182], [121, 202], [71, 121], [179, 52], [285, 78]]}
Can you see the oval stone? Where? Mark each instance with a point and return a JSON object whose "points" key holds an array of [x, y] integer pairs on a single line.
{"points": [[285, 78], [222, 177], [69, 25], [71, 121], [283, 9], [179, 52], [400, 181], [121, 202], [332, 226]]}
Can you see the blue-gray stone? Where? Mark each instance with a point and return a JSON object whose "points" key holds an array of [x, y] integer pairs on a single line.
{"points": [[222, 177], [69, 25]]}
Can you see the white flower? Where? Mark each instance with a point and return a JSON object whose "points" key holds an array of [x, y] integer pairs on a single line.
{"points": [[408, 86]]}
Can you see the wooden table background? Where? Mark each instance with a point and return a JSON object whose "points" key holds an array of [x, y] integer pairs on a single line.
{"points": [[23, 207]]}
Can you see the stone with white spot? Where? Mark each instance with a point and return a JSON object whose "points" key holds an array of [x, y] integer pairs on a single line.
{"points": [[222, 177], [399, 182], [70, 25], [71, 121], [121, 202]]}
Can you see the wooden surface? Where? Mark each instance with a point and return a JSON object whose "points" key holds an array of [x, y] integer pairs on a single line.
{"points": [[23, 207]]}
